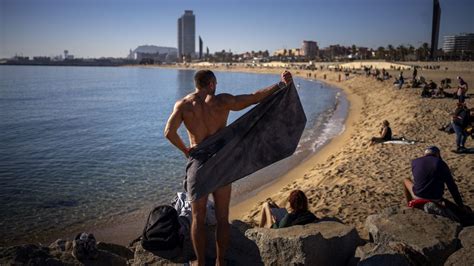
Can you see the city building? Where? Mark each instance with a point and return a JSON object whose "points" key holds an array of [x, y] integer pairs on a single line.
{"points": [[200, 47], [435, 28], [154, 54], [310, 49], [186, 35], [459, 43], [289, 52]]}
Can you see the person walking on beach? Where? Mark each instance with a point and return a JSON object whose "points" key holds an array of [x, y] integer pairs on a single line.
{"points": [[461, 120], [204, 113], [401, 80], [462, 90]]}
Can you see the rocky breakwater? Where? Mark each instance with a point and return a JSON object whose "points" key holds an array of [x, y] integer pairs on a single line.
{"points": [[406, 236], [398, 236]]}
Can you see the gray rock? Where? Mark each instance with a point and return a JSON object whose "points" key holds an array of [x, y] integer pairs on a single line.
{"points": [[241, 251], [143, 257], [464, 256], [116, 249], [106, 258], [391, 253], [467, 236], [434, 237], [324, 243], [25, 255]]}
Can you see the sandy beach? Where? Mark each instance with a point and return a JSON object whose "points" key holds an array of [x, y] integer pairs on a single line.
{"points": [[347, 179]]}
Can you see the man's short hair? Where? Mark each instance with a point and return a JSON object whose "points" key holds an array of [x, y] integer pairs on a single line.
{"points": [[432, 150], [203, 78]]}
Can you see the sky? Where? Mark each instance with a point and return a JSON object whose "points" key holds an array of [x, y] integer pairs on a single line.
{"points": [[109, 28]]}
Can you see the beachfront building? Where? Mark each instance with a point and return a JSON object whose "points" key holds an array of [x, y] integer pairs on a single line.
{"points": [[310, 49], [153, 54], [288, 52], [186, 35], [200, 47], [459, 43]]}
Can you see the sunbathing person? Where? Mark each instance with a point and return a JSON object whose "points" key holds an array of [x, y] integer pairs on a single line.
{"points": [[276, 217], [385, 133]]}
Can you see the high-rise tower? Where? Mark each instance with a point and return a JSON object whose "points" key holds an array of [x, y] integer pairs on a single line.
{"points": [[186, 34]]}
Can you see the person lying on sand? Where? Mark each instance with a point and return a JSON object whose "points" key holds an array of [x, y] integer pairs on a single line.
{"points": [[276, 217], [385, 133]]}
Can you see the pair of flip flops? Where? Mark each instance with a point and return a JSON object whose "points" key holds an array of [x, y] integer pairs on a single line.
{"points": [[84, 247]]}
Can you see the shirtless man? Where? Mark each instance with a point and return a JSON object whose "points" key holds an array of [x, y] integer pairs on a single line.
{"points": [[204, 113]]}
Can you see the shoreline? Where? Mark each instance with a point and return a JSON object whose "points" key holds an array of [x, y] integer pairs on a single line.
{"points": [[241, 209], [134, 222], [346, 178]]}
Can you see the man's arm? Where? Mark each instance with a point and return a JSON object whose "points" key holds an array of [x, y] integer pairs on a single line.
{"points": [[239, 102], [171, 129], [452, 187]]}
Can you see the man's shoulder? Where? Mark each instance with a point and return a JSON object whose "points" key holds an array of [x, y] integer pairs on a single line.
{"points": [[188, 99]]}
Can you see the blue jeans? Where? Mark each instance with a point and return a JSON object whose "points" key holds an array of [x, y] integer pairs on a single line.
{"points": [[461, 135], [400, 84]]}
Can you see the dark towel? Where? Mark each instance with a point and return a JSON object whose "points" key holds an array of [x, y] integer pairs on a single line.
{"points": [[267, 133]]}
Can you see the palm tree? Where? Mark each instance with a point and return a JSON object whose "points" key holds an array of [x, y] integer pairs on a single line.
{"points": [[425, 48], [380, 52], [391, 51], [354, 49], [402, 52], [411, 50]]}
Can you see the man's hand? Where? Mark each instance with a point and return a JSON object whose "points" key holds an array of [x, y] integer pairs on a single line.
{"points": [[286, 77]]}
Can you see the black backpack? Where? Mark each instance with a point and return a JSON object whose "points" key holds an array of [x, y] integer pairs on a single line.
{"points": [[161, 233]]}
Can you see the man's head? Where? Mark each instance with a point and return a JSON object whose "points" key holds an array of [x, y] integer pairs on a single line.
{"points": [[385, 123], [205, 79], [433, 151]]}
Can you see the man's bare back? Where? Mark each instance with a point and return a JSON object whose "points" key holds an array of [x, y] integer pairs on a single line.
{"points": [[204, 114], [203, 117]]}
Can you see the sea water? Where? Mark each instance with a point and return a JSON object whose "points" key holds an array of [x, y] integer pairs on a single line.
{"points": [[79, 144]]}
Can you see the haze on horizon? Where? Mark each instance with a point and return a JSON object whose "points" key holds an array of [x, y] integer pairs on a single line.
{"points": [[109, 28]]}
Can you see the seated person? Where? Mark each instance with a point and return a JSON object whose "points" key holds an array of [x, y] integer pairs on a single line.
{"points": [[385, 133], [430, 174], [429, 89], [275, 217]]}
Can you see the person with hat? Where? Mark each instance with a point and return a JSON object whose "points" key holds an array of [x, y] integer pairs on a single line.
{"points": [[430, 174]]}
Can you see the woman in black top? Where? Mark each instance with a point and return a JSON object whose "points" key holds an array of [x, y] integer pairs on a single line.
{"points": [[385, 133], [280, 218]]}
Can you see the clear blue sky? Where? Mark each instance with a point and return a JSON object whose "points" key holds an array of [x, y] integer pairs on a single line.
{"points": [[95, 28]]}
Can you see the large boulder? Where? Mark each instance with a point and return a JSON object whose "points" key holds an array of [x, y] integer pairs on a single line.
{"points": [[467, 237], [323, 243], [27, 255], [391, 253], [241, 250], [434, 237], [464, 256]]}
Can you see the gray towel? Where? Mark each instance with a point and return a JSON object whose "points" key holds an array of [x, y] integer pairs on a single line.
{"points": [[267, 133]]}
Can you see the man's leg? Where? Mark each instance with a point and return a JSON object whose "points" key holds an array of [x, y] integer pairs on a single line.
{"points": [[198, 229], [221, 201], [408, 189]]}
